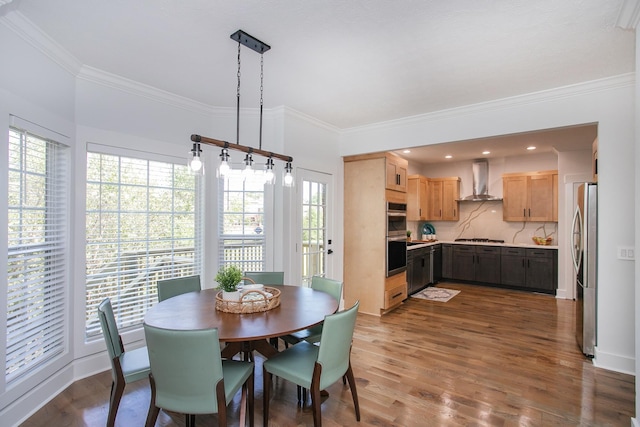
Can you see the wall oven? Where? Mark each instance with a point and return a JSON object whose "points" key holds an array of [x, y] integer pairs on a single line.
{"points": [[396, 251]]}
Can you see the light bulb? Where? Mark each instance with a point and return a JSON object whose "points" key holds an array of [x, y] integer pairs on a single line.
{"points": [[224, 168], [196, 164]]}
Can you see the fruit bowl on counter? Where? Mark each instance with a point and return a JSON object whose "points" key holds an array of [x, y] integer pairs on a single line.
{"points": [[544, 241]]}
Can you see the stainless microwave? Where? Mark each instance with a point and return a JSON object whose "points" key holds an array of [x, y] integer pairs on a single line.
{"points": [[396, 219]]}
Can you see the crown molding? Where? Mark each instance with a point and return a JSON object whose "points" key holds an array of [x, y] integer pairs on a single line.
{"points": [[605, 84], [629, 15], [142, 90], [283, 110], [29, 32]]}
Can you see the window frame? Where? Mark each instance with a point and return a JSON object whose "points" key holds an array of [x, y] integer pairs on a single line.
{"points": [[62, 231], [90, 327]]}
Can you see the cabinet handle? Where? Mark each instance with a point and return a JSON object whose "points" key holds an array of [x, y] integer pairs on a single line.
{"points": [[524, 212], [396, 295], [529, 212]]}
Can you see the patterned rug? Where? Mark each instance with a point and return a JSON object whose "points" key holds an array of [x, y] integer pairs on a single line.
{"points": [[436, 294]]}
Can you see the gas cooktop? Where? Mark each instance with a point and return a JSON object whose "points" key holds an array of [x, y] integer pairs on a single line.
{"points": [[478, 239]]}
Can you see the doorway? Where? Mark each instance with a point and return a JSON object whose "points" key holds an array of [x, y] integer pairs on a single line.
{"points": [[314, 201]]}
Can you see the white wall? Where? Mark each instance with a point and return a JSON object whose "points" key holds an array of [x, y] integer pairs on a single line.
{"points": [[610, 103]]}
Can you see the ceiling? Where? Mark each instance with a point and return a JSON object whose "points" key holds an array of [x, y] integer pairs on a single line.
{"points": [[545, 141], [345, 63]]}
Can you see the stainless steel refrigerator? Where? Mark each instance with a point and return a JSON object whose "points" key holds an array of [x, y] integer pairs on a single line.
{"points": [[584, 254]]}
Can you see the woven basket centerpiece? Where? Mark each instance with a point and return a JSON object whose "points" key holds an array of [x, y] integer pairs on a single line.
{"points": [[251, 301]]}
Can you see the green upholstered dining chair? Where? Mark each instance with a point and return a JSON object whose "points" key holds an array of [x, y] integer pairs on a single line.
{"points": [[270, 278], [318, 283], [189, 376], [126, 366], [316, 367], [177, 286]]}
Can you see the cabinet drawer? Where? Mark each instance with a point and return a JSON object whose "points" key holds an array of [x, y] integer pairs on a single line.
{"points": [[514, 251], [395, 296], [463, 249], [540, 253], [487, 249]]}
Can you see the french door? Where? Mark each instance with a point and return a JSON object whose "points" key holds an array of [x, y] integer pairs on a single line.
{"points": [[314, 201]]}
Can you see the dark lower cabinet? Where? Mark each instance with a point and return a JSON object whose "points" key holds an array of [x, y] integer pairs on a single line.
{"points": [[476, 263], [437, 263], [447, 261], [530, 268]]}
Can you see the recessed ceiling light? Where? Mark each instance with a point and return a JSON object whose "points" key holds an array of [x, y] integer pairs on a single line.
{"points": [[486, 152], [448, 156], [531, 148], [406, 151]]}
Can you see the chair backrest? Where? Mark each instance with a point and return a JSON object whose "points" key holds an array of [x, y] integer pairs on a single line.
{"points": [[330, 286], [180, 285], [186, 366], [335, 345], [110, 330], [266, 277]]}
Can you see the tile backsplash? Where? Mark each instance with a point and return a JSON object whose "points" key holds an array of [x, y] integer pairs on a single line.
{"points": [[484, 220]]}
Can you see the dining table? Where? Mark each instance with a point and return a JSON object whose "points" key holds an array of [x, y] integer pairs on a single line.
{"points": [[300, 308]]}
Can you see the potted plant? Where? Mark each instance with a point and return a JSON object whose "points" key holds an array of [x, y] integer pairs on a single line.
{"points": [[228, 278], [408, 235]]}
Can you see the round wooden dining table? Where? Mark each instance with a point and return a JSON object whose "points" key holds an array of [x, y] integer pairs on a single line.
{"points": [[299, 308]]}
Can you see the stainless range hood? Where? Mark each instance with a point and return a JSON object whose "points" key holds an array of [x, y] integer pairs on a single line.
{"points": [[480, 170]]}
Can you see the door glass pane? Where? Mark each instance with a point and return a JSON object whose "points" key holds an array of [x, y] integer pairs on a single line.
{"points": [[313, 230]]}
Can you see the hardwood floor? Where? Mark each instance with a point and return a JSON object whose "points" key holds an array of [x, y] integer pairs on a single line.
{"points": [[488, 357]]}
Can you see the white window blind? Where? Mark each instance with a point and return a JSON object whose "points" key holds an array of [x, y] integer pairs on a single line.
{"points": [[37, 252], [142, 225], [241, 223]]}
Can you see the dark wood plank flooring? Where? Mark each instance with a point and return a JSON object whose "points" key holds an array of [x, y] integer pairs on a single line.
{"points": [[488, 357]]}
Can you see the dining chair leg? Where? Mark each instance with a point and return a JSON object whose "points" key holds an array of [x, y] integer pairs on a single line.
{"points": [[243, 406], [266, 387], [354, 392], [190, 420], [315, 405], [251, 400], [152, 415], [117, 389]]}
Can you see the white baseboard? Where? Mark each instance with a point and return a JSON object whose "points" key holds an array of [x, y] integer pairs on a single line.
{"points": [[614, 362]]}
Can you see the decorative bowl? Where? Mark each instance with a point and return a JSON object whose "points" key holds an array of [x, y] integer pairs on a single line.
{"points": [[544, 241]]}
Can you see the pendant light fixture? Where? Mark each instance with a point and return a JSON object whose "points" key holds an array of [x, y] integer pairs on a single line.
{"points": [[267, 175]]}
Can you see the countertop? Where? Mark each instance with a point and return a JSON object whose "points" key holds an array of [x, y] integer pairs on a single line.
{"points": [[423, 244]]}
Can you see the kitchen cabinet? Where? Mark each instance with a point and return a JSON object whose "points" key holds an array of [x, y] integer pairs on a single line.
{"points": [[365, 217], [447, 261], [443, 196], [530, 268], [437, 263], [417, 200], [531, 196], [476, 263], [396, 173], [418, 269]]}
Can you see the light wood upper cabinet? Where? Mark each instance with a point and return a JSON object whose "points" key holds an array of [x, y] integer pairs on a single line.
{"points": [[443, 199], [396, 173], [531, 196], [417, 200]]}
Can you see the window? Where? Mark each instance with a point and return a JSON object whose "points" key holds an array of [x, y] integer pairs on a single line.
{"points": [[141, 226], [241, 222], [38, 255]]}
